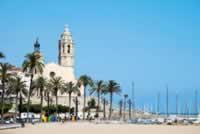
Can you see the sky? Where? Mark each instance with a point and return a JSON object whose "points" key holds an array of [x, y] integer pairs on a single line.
{"points": [[154, 43]]}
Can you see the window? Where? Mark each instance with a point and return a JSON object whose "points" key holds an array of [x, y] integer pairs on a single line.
{"points": [[52, 74], [68, 49]]}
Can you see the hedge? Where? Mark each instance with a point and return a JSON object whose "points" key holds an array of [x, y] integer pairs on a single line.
{"points": [[35, 108], [7, 107]]}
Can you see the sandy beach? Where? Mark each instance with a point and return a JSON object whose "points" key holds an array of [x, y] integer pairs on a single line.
{"points": [[90, 128]]}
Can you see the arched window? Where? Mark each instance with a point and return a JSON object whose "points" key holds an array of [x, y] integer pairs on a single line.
{"points": [[68, 49], [52, 74]]}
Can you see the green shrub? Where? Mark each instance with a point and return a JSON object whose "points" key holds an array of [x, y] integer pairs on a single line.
{"points": [[92, 103], [63, 109], [35, 108], [7, 107], [52, 109]]}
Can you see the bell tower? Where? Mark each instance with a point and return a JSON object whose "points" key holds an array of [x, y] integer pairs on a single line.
{"points": [[66, 49]]}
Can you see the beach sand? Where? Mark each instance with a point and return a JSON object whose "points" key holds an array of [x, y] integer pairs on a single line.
{"points": [[91, 128]]}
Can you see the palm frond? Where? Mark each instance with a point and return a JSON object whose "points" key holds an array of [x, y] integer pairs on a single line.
{"points": [[85, 81], [70, 87], [16, 85], [98, 87], [4, 71], [56, 84], [2, 55], [113, 87], [33, 63]]}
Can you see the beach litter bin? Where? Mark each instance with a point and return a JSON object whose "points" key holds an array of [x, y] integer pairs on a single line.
{"points": [[44, 118], [73, 118]]}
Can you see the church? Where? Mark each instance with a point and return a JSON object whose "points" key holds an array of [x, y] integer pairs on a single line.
{"points": [[65, 66]]}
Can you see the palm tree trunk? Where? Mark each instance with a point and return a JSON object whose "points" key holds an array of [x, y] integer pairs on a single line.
{"points": [[124, 108], [104, 108], [2, 100], [84, 101], [41, 104], [16, 106], [120, 110], [98, 105], [69, 104], [29, 98], [56, 103], [130, 110], [48, 103], [28, 108], [110, 114], [20, 105], [76, 108]]}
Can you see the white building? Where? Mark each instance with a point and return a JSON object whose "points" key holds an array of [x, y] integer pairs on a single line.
{"points": [[65, 66]]}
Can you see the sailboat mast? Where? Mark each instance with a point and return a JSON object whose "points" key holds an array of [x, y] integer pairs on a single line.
{"points": [[167, 101], [196, 102], [133, 96], [158, 103], [177, 105]]}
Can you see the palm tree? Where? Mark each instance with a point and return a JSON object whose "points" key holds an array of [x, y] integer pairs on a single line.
{"points": [[41, 83], [112, 88], [56, 85], [2, 55], [33, 64], [125, 101], [70, 88], [98, 87], [85, 81], [18, 87], [4, 75]]}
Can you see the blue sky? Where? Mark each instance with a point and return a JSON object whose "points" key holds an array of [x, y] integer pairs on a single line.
{"points": [[152, 43]]}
